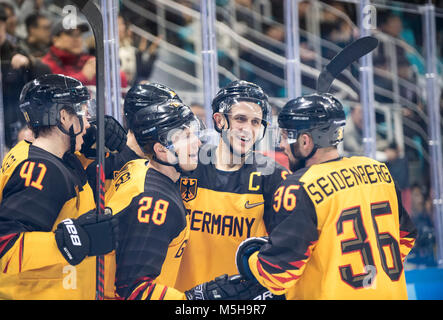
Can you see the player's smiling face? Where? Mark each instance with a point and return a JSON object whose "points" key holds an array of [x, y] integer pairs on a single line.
{"points": [[245, 119], [186, 146]]}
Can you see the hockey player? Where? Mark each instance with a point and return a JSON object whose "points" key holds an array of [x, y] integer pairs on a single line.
{"points": [[114, 161], [229, 196], [145, 198], [44, 242], [342, 232]]}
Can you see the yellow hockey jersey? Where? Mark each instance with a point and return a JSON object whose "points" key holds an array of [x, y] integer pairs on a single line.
{"points": [[224, 208], [153, 233], [38, 191], [342, 234]]}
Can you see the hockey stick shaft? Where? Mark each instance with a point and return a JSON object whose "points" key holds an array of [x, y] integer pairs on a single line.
{"points": [[92, 13], [343, 59]]}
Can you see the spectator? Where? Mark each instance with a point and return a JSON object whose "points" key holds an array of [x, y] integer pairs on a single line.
{"points": [[11, 22], [422, 255], [139, 20], [66, 55], [38, 38], [277, 8], [382, 78], [339, 31], [275, 37], [136, 63], [188, 29], [20, 10], [398, 167], [391, 25], [244, 17], [16, 69], [353, 138]]}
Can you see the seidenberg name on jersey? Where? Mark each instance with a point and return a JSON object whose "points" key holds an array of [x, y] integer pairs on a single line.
{"points": [[345, 178]]}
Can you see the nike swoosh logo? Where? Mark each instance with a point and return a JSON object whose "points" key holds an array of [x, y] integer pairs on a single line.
{"points": [[253, 205]]}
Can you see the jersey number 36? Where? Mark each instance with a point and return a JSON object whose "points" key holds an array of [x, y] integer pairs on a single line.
{"points": [[359, 244]]}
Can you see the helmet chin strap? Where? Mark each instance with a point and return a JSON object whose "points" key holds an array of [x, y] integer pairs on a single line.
{"points": [[301, 161], [71, 134], [224, 133], [176, 166]]}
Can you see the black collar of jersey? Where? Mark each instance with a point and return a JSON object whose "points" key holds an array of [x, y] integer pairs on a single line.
{"points": [[332, 160], [162, 175], [300, 172], [38, 149]]}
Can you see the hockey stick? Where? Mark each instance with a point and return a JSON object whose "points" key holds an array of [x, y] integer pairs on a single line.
{"points": [[343, 59], [95, 19]]}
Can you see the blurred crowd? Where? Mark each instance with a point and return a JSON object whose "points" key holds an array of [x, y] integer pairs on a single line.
{"points": [[33, 41]]}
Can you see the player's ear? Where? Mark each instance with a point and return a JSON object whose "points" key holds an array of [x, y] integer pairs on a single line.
{"points": [[160, 149], [220, 120], [306, 141], [63, 115]]}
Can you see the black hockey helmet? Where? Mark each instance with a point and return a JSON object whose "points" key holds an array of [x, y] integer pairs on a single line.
{"points": [[240, 90], [155, 122], [144, 95], [42, 99], [319, 114]]}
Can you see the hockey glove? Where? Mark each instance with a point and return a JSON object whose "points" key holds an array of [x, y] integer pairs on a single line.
{"points": [[115, 137], [233, 287], [244, 251], [89, 235]]}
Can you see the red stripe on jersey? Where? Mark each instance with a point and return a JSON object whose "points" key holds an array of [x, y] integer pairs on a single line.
{"points": [[284, 280], [297, 264], [22, 242], [403, 234], [139, 289], [5, 240], [163, 293], [150, 291], [6, 267], [300, 263], [407, 243], [271, 264], [263, 274], [309, 250]]}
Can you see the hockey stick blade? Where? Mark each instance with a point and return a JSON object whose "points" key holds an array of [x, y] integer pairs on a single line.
{"points": [[343, 59]]}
